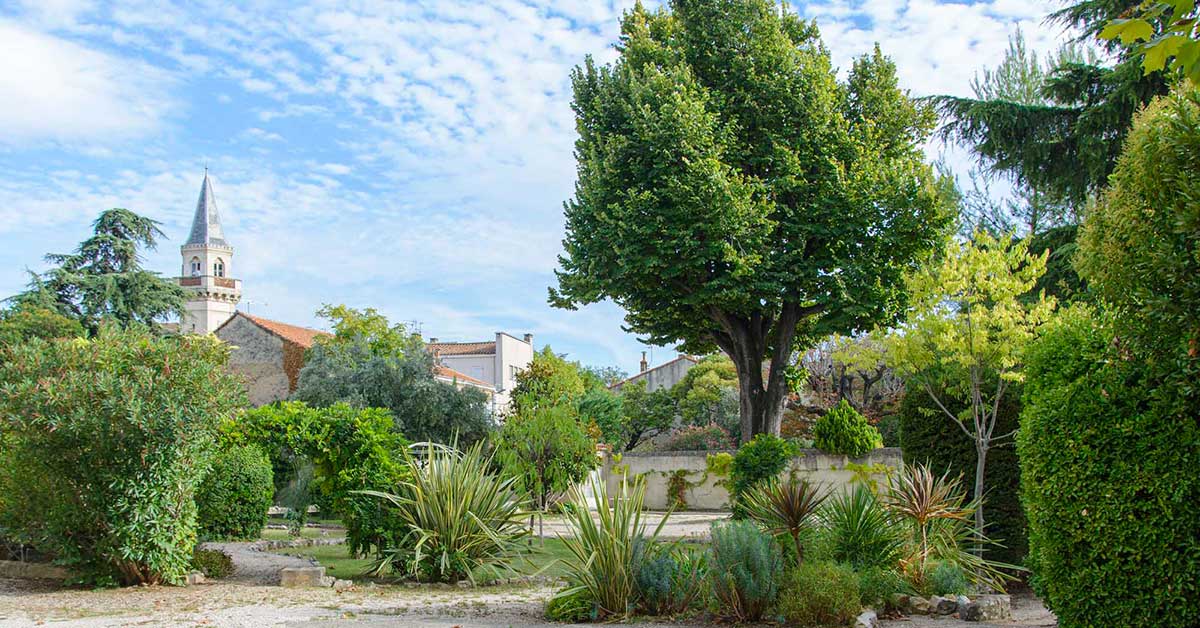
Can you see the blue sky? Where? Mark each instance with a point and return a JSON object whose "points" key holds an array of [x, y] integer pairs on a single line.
{"points": [[409, 156]]}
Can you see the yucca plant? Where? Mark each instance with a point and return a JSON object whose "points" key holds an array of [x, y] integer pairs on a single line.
{"points": [[860, 531], [785, 509], [937, 516], [458, 516], [604, 545]]}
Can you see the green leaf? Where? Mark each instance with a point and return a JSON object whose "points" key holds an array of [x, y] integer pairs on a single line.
{"points": [[1129, 31]]}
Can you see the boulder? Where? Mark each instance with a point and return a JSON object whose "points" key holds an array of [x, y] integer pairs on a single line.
{"points": [[342, 585], [943, 605], [962, 601], [302, 577], [194, 577], [987, 608], [898, 601], [868, 619], [918, 606]]}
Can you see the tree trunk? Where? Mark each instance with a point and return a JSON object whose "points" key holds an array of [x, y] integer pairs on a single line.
{"points": [[981, 452]]}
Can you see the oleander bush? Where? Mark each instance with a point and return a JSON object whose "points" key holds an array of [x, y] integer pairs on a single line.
{"points": [[234, 497], [820, 594], [109, 437], [744, 569], [843, 431]]}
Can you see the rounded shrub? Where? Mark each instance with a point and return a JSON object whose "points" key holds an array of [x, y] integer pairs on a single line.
{"points": [[571, 607], [845, 432], [764, 457], [878, 585], [948, 579], [744, 569], [212, 563], [820, 594], [233, 499], [929, 437], [1108, 477]]}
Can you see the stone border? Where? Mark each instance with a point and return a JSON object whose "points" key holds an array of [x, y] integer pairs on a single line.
{"points": [[32, 571]]}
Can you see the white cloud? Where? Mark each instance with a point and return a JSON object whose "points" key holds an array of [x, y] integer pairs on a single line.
{"points": [[54, 89]]}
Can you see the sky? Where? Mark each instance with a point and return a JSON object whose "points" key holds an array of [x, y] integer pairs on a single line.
{"points": [[407, 156]]}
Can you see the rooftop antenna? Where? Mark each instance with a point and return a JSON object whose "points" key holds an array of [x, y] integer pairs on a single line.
{"points": [[250, 302]]}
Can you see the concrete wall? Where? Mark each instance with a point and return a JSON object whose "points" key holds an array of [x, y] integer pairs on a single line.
{"points": [[258, 359], [513, 355], [662, 376], [478, 366], [709, 493]]}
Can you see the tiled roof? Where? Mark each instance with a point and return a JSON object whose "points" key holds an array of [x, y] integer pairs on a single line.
{"points": [[302, 336], [206, 224], [451, 374], [463, 348]]}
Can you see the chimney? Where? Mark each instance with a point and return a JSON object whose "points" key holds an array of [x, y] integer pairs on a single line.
{"points": [[529, 339], [433, 341], [645, 364]]}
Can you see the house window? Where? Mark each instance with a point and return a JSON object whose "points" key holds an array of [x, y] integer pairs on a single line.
{"points": [[219, 268], [195, 267]]}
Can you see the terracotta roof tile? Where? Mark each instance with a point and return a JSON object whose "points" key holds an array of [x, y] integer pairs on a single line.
{"points": [[463, 348], [302, 336], [451, 374]]}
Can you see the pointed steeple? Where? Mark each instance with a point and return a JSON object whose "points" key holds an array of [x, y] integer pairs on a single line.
{"points": [[206, 225]]}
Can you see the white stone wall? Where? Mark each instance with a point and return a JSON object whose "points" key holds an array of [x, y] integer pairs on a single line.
{"points": [[257, 358], [663, 376], [513, 355], [709, 493]]}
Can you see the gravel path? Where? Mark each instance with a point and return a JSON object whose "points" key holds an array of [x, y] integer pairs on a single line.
{"points": [[253, 564]]}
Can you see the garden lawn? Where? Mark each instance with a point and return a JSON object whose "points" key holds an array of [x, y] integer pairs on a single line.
{"points": [[307, 533]]}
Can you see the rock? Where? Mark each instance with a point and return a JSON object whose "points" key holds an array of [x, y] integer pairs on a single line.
{"points": [[962, 601], [988, 608], [919, 606], [302, 577], [342, 585], [898, 601], [868, 619], [943, 605], [194, 577]]}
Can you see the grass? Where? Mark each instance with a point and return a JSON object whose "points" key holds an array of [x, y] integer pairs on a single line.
{"points": [[542, 561], [307, 533]]}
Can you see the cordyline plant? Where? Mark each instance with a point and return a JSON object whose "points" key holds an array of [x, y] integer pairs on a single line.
{"points": [[458, 515], [785, 509]]}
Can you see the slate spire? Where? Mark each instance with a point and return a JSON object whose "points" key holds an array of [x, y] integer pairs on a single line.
{"points": [[206, 225]]}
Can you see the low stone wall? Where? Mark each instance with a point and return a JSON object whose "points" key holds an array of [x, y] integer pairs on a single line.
{"points": [[32, 571], [705, 489]]}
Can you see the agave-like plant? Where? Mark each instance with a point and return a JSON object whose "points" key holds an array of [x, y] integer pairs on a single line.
{"points": [[458, 515], [785, 509], [604, 546], [860, 531], [938, 518]]}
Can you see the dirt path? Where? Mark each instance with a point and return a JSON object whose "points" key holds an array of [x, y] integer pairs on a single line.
{"points": [[253, 564], [681, 525]]}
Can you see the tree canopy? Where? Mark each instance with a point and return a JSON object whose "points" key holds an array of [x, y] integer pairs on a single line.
{"points": [[103, 278], [733, 194]]}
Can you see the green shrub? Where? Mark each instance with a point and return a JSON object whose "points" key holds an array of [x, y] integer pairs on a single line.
{"points": [[669, 578], [213, 564], [785, 509], [744, 570], [571, 608], [605, 548], [1108, 472], [820, 594], [859, 531], [844, 432], [458, 515], [233, 499], [110, 437], [764, 457], [711, 437], [948, 579], [930, 437], [877, 586]]}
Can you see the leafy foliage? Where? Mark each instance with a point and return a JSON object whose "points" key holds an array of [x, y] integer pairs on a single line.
{"points": [[859, 531], [820, 594], [708, 393], [606, 411], [574, 608], [233, 499], [669, 578], [548, 381], [646, 414], [948, 579], [1108, 453], [745, 567], [709, 437], [763, 458], [604, 547], [1166, 33], [732, 194], [212, 563], [457, 514], [545, 451], [103, 279], [24, 322], [109, 438], [877, 585], [785, 509], [843, 431]]}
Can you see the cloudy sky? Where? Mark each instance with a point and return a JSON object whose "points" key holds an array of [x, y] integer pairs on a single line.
{"points": [[410, 156]]}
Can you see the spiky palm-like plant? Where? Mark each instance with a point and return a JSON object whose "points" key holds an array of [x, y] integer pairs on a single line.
{"points": [[785, 508], [860, 531]]}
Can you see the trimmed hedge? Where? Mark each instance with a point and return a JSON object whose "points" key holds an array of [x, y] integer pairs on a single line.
{"points": [[845, 432], [928, 436], [1108, 462], [233, 499]]}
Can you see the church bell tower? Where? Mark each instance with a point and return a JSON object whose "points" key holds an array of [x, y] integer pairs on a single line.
{"points": [[207, 266]]}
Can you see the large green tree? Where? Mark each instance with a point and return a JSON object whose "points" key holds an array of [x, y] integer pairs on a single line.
{"points": [[103, 279], [733, 194]]}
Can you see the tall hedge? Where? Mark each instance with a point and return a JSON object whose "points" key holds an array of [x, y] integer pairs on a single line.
{"points": [[927, 435], [233, 499], [106, 441], [1109, 477]]}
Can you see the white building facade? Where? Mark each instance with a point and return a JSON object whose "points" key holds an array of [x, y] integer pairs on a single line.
{"points": [[496, 362], [207, 269]]}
